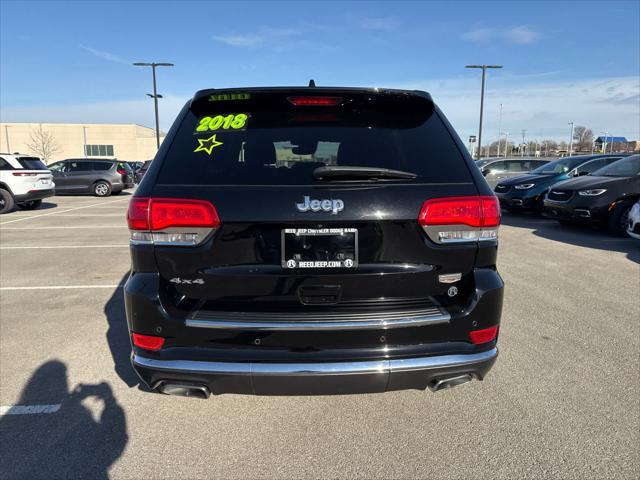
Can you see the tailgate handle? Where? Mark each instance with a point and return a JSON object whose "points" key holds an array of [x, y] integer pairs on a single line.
{"points": [[320, 294]]}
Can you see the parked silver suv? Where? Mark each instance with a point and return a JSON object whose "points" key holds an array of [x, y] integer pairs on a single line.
{"points": [[87, 175]]}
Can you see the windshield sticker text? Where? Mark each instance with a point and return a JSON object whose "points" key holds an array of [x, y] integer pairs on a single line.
{"points": [[233, 121]]}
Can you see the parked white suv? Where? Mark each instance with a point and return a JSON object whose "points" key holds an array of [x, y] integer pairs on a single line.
{"points": [[633, 228], [24, 181]]}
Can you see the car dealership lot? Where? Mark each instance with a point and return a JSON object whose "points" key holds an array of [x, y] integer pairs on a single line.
{"points": [[562, 400]]}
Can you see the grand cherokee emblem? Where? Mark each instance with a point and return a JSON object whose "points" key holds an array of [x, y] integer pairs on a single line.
{"points": [[315, 205]]}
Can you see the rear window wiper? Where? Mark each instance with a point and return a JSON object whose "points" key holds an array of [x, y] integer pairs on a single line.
{"points": [[337, 172]]}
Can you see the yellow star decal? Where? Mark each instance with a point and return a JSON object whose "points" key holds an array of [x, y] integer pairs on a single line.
{"points": [[207, 144]]}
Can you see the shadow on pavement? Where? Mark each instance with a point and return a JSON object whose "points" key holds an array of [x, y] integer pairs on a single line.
{"points": [[118, 336], [43, 206], [69, 443], [581, 236]]}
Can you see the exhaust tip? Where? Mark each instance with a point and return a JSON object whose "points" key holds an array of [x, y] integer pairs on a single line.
{"points": [[185, 390], [450, 382]]}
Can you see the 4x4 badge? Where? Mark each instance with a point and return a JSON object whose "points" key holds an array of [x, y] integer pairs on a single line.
{"points": [[326, 205], [184, 281]]}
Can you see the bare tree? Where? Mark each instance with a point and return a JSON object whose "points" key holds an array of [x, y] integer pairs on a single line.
{"points": [[583, 137], [42, 144]]}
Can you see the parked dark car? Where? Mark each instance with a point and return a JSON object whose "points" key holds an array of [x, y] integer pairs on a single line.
{"points": [[143, 169], [526, 192], [602, 198], [88, 175], [497, 170], [312, 240]]}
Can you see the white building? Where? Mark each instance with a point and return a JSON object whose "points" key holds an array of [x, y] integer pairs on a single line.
{"points": [[74, 140]]}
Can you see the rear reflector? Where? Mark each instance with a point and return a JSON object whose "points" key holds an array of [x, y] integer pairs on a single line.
{"points": [[483, 336], [148, 342], [471, 218], [315, 101], [24, 174], [159, 213]]}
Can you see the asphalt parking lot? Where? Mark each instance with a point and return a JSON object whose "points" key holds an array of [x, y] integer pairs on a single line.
{"points": [[563, 400]]}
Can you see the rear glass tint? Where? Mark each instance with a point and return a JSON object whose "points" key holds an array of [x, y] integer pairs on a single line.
{"points": [[265, 140], [31, 163]]}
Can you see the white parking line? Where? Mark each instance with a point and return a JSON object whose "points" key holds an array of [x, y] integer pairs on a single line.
{"points": [[64, 211], [93, 227], [59, 287], [28, 409], [121, 215], [65, 246]]}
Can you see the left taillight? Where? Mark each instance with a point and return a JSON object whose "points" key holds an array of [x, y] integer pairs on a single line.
{"points": [[171, 221], [460, 219]]}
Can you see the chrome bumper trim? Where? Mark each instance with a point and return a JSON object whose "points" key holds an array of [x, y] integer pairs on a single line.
{"points": [[310, 322], [384, 367]]}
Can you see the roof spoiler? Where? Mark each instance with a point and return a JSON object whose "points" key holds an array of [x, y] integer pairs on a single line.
{"points": [[200, 94]]}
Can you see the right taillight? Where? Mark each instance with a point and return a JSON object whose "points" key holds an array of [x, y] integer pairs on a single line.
{"points": [[460, 219], [171, 221]]}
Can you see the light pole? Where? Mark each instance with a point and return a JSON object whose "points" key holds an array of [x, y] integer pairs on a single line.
{"points": [[484, 70], [6, 134], [604, 144], [523, 144], [499, 130], [571, 140], [506, 143], [155, 95], [84, 139]]}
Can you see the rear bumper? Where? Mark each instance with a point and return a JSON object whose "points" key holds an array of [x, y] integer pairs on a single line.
{"points": [[35, 195], [314, 378], [309, 359]]}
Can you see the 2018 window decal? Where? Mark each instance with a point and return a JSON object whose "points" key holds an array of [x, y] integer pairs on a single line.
{"points": [[207, 144], [232, 121]]}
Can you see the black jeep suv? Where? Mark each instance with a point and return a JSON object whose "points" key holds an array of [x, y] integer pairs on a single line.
{"points": [[312, 241]]}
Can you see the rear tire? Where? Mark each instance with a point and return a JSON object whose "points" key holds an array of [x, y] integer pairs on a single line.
{"points": [[102, 189], [6, 201], [30, 205], [619, 217]]}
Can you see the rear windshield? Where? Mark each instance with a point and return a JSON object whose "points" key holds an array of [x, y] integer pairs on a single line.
{"points": [[626, 167], [31, 163], [264, 139]]}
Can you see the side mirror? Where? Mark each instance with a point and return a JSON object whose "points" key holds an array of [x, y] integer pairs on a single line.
{"points": [[485, 172]]}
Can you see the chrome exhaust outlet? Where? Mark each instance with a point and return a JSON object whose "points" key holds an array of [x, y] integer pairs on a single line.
{"points": [[450, 382], [184, 390]]}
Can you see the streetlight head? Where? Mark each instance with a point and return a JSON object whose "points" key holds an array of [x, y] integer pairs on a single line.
{"points": [[149, 95], [473, 66], [493, 66], [164, 64], [142, 64]]}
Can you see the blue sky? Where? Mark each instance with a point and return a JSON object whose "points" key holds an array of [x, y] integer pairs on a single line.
{"points": [[564, 61]]}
